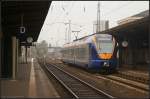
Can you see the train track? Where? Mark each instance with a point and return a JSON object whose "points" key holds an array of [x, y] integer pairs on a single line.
{"points": [[133, 76], [77, 87], [126, 81]]}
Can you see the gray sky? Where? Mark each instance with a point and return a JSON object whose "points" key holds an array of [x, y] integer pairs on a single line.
{"points": [[83, 13]]}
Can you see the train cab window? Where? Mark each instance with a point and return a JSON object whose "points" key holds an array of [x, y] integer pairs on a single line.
{"points": [[105, 44]]}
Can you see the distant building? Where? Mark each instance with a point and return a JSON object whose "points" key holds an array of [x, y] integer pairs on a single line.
{"points": [[134, 17], [104, 25]]}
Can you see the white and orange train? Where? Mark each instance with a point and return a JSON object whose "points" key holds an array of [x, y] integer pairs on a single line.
{"points": [[95, 52]]}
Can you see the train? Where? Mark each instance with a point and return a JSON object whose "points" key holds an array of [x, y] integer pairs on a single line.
{"points": [[95, 52]]}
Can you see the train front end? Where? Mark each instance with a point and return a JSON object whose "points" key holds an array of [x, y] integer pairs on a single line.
{"points": [[105, 46]]}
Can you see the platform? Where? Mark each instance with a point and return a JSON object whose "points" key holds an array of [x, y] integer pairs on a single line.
{"points": [[31, 82], [141, 71]]}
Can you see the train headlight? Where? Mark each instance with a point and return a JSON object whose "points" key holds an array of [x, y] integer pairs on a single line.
{"points": [[106, 64]]}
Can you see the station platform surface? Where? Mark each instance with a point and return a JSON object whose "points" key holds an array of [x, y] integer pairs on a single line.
{"points": [[143, 69], [139, 71], [31, 82]]}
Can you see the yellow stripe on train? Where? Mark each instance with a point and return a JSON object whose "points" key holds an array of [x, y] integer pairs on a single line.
{"points": [[105, 55]]}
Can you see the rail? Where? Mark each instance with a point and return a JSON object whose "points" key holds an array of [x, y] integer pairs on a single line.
{"points": [[77, 87]]}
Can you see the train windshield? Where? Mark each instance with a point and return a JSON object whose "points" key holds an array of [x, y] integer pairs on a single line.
{"points": [[105, 46]]}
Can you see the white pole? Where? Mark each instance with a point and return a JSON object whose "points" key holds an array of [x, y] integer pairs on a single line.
{"points": [[69, 33]]}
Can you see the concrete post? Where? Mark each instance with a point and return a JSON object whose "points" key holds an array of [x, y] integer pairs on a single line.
{"points": [[0, 57], [26, 54], [14, 57], [17, 55], [0, 41]]}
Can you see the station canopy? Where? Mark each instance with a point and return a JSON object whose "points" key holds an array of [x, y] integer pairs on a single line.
{"points": [[19, 14], [138, 29]]}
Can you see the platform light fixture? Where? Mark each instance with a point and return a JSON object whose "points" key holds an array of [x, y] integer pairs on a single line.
{"points": [[124, 43], [29, 39]]}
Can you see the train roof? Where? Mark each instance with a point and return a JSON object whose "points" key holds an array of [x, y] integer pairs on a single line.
{"points": [[83, 40], [89, 36]]}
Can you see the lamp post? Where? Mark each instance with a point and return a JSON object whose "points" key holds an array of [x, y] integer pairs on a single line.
{"points": [[29, 40]]}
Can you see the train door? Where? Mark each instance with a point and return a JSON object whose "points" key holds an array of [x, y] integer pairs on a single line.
{"points": [[90, 53], [86, 54]]}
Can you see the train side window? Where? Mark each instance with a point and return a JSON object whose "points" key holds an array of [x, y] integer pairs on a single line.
{"points": [[80, 53], [71, 53]]}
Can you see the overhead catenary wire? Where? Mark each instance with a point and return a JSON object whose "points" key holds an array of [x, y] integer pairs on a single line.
{"points": [[64, 10], [67, 10], [62, 13], [57, 17]]}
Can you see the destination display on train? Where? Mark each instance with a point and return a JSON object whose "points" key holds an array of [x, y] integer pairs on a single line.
{"points": [[104, 37]]}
